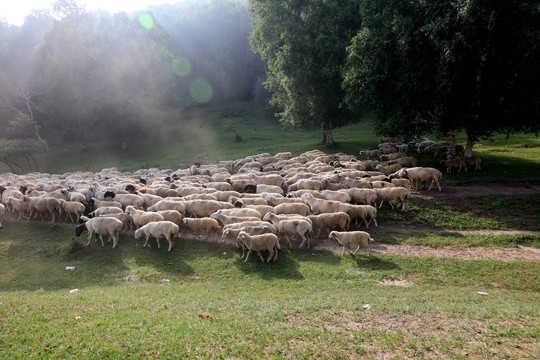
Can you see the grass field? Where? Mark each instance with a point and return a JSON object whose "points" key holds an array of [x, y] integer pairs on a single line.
{"points": [[202, 301]]}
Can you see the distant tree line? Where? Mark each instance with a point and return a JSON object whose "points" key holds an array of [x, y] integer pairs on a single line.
{"points": [[421, 67], [79, 76]]}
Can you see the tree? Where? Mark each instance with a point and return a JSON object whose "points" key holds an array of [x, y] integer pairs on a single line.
{"points": [[447, 65], [303, 43]]}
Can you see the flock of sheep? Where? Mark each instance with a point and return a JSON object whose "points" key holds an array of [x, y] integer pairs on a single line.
{"points": [[254, 201]]}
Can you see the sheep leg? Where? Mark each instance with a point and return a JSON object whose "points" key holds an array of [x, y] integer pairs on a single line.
{"points": [[275, 253], [379, 208], [30, 216], [368, 249], [89, 238], [170, 243], [247, 256], [146, 242], [343, 251], [115, 241], [365, 222], [101, 238], [355, 251], [271, 250], [288, 240], [158, 244], [52, 215], [260, 255], [374, 221]]}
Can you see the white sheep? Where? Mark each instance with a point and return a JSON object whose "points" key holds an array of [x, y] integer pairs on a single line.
{"points": [[393, 194], [358, 238], [141, 218], [168, 205], [340, 196], [227, 219], [172, 216], [361, 196], [242, 212], [319, 206], [329, 221], [420, 174], [293, 208], [106, 210], [370, 154], [293, 226], [204, 208], [159, 230], [458, 163], [72, 207], [16, 205], [307, 184], [362, 212], [42, 205], [104, 203], [130, 200], [258, 243], [200, 225], [100, 226]]}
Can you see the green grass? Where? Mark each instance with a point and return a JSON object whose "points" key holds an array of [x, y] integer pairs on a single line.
{"points": [[136, 302], [496, 212], [202, 136]]}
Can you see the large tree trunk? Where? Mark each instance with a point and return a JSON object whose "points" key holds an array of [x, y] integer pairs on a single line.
{"points": [[328, 139], [469, 146], [450, 145]]}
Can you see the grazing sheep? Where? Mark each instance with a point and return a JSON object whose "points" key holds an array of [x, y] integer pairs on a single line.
{"points": [[362, 212], [258, 243], [361, 196], [42, 205], [393, 194], [227, 219], [201, 225], [104, 203], [141, 218], [420, 174], [294, 226], [319, 206], [172, 216], [329, 221], [472, 160], [159, 230], [106, 210], [168, 205], [100, 226], [370, 154], [16, 205], [358, 238], [293, 208], [233, 232], [72, 207], [456, 163], [127, 222]]}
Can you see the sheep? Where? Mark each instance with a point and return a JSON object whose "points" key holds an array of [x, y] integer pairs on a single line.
{"points": [[126, 220], [408, 161], [405, 183], [100, 226], [361, 196], [389, 169], [402, 148], [340, 196], [242, 212], [259, 243], [370, 154], [319, 206], [473, 160], [329, 221], [77, 196], [20, 207], [227, 219], [233, 232], [72, 207], [393, 156], [42, 205], [172, 216], [130, 200], [168, 205], [200, 225], [362, 212], [159, 230], [456, 163], [391, 194], [141, 218], [104, 203], [420, 174], [106, 210], [292, 227], [380, 184], [308, 184], [247, 201], [2, 210], [358, 238], [293, 208], [204, 208], [275, 200]]}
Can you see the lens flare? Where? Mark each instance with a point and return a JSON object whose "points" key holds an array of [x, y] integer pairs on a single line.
{"points": [[146, 20], [201, 91], [181, 66]]}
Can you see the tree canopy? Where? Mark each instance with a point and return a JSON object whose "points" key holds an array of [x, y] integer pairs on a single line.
{"points": [[447, 65], [303, 44]]}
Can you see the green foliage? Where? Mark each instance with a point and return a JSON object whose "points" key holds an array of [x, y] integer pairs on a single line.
{"points": [[447, 65], [304, 46]]}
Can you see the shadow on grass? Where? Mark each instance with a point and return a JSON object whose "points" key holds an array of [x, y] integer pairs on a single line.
{"points": [[373, 262], [286, 267]]}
